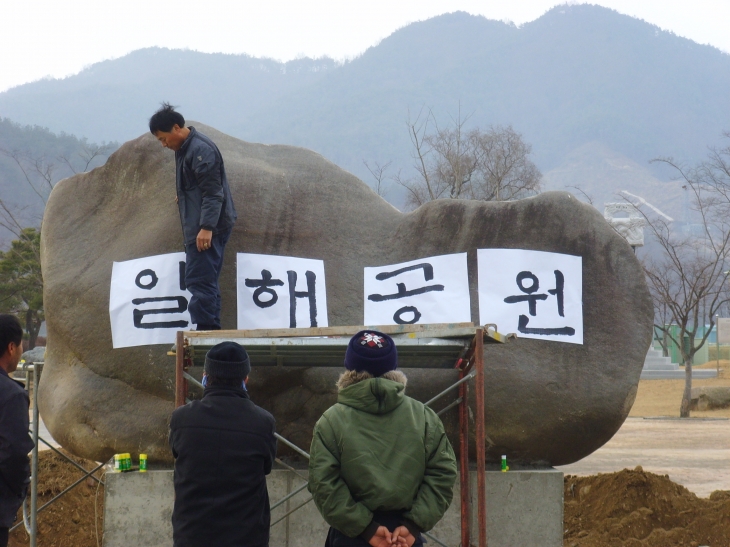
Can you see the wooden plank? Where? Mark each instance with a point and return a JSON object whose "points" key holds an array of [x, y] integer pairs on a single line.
{"points": [[334, 331], [437, 330]]}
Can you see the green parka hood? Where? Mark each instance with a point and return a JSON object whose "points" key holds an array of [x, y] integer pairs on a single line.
{"points": [[374, 396]]}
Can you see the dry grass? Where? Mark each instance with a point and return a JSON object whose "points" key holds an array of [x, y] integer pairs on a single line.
{"points": [[662, 397]]}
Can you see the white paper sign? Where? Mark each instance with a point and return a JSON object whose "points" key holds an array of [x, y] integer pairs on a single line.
{"points": [[532, 293], [148, 302], [280, 292], [428, 290]]}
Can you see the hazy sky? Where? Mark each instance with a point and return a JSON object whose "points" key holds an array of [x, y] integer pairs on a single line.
{"points": [[52, 38]]}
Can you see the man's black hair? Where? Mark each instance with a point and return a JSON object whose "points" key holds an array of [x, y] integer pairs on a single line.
{"points": [[10, 331], [165, 118], [215, 381]]}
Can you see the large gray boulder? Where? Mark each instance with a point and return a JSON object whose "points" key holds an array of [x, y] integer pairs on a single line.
{"points": [[546, 402], [35, 355], [710, 397]]}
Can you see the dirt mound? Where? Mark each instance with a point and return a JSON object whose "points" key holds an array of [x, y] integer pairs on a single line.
{"points": [[69, 521], [632, 508]]}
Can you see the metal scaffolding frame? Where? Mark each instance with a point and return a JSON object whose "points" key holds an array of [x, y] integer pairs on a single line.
{"points": [[443, 346], [30, 515]]}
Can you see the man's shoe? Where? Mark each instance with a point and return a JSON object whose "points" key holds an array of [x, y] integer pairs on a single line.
{"points": [[208, 327]]}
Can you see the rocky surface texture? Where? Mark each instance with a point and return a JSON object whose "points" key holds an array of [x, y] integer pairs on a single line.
{"points": [[546, 402]]}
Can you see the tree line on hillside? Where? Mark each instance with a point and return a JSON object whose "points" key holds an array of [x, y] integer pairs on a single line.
{"points": [[32, 161]]}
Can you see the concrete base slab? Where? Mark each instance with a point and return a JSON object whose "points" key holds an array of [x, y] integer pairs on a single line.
{"points": [[524, 508], [138, 509]]}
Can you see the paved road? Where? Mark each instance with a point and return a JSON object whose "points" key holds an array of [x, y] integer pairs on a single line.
{"points": [[693, 452]]}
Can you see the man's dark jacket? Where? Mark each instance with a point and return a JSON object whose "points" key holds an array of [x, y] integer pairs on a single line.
{"points": [[15, 443], [203, 195], [224, 447]]}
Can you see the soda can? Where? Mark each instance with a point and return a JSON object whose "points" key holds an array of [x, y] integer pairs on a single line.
{"points": [[117, 463], [143, 463], [127, 461]]}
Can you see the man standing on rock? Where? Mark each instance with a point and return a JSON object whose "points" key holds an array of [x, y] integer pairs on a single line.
{"points": [[381, 468], [224, 446], [15, 442], [206, 211]]}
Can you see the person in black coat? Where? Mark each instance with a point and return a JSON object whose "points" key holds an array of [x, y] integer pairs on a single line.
{"points": [[15, 442], [224, 446], [207, 213]]}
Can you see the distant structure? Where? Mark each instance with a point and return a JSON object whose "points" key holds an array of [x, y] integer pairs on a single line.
{"points": [[630, 227]]}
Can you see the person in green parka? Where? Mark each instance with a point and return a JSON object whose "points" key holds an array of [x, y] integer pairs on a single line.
{"points": [[381, 468]]}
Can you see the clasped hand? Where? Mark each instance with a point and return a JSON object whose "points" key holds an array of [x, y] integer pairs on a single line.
{"points": [[400, 537]]}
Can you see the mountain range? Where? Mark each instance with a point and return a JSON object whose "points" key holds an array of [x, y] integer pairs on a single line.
{"points": [[597, 94]]}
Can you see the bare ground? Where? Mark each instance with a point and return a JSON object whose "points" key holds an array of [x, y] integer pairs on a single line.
{"points": [[693, 452]]}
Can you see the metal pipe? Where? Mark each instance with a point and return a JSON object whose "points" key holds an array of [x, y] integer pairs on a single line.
{"points": [[193, 380], [449, 407], [290, 468], [64, 492], [69, 460], [480, 440], [289, 496], [34, 464], [179, 379], [26, 517], [464, 461], [290, 512], [74, 485], [453, 386], [291, 445]]}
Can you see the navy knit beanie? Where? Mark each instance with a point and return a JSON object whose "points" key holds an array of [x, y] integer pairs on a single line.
{"points": [[227, 360], [371, 351]]}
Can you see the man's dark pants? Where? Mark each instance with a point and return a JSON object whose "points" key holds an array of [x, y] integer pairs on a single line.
{"points": [[4, 537], [202, 270]]}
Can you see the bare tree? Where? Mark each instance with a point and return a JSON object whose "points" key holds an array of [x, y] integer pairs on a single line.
{"points": [[36, 170], [506, 171], [21, 281], [688, 278], [588, 197], [88, 153], [459, 163], [378, 173]]}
